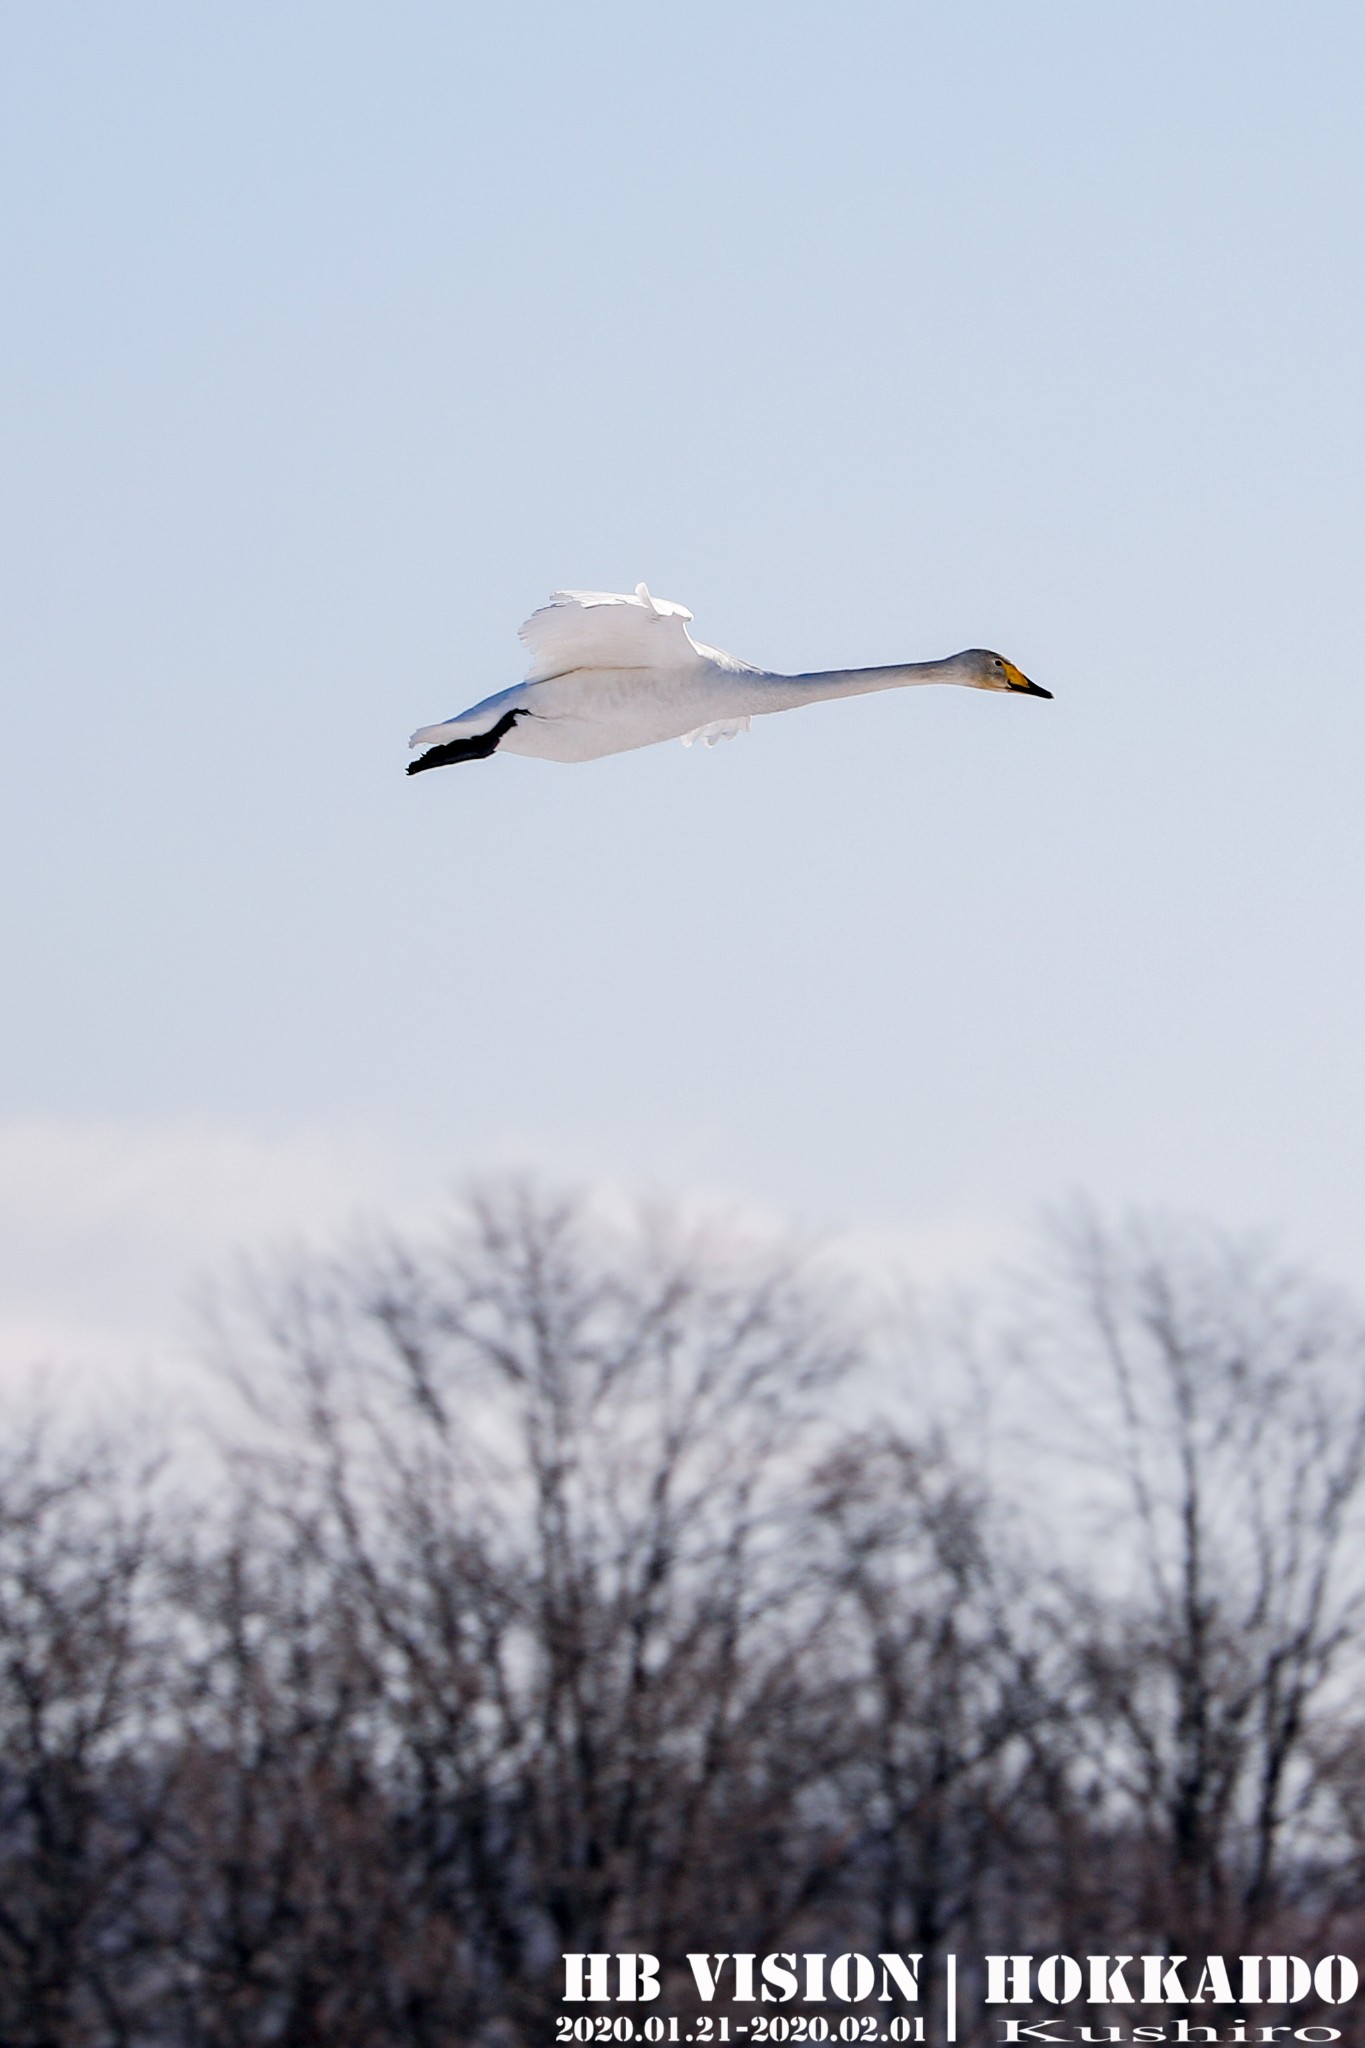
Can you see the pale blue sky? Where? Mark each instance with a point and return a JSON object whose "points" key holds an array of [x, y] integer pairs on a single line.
{"points": [[338, 335]]}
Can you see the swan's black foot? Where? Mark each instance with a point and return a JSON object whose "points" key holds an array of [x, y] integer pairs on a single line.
{"points": [[477, 748]]}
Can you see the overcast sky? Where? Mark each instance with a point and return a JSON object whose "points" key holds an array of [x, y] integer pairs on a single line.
{"points": [[337, 336]]}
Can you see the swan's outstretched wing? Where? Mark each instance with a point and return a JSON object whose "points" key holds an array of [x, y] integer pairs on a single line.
{"points": [[601, 629]]}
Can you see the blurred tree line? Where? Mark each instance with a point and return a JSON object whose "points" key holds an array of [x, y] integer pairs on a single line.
{"points": [[559, 1595]]}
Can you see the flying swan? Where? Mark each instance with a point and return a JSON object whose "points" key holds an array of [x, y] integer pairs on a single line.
{"points": [[610, 672]]}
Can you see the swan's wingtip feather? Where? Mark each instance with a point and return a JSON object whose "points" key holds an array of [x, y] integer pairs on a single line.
{"points": [[718, 729], [586, 600]]}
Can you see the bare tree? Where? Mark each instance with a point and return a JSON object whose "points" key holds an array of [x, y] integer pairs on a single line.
{"points": [[281, 1906], [78, 1802], [552, 1597], [1225, 1396], [558, 1472], [946, 1772]]}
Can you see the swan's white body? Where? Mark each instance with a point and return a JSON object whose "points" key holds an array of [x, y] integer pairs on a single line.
{"points": [[609, 673]]}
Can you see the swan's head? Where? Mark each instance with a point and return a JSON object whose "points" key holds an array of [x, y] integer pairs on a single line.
{"points": [[982, 670]]}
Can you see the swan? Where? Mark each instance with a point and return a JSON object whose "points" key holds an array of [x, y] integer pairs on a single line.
{"points": [[610, 672]]}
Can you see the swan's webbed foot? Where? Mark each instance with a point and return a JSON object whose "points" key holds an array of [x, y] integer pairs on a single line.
{"points": [[476, 748]]}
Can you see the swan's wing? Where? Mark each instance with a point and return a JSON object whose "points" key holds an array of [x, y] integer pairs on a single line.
{"points": [[581, 629], [718, 729], [601, 629]]}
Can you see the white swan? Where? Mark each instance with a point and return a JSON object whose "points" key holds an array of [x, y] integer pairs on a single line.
{"points": [[609, 673]]}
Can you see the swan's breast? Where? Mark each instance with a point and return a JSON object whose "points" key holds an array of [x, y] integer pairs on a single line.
{"points": [[591, 712]]}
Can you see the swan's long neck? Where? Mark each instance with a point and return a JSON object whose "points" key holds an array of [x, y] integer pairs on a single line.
{"points": [[855, 682]]}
